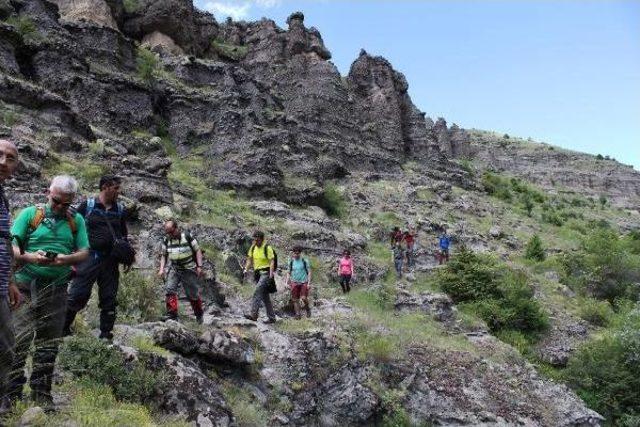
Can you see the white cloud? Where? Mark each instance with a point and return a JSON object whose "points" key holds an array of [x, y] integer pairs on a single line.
{"points": [[268, 4], [235, 10]]}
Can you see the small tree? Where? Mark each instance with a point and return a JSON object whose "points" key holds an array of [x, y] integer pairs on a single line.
{"points": [[147, 65], [603, 201], [534, 249], [527, 203]]}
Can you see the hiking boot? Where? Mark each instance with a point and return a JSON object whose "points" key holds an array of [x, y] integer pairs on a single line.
{"points": [[251, 317], [169, 316], [106, 336], [41, 396], [6, 405], [269, 320], [199, 320]]}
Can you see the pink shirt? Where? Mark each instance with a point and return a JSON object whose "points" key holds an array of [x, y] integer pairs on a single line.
{"points": [[346, 266]]}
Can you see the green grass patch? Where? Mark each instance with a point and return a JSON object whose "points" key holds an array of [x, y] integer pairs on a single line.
{"points": [[229, 51], [25, 27], [87, 172], [247, 410], [131, 6], [93, 405], [145, 344]]}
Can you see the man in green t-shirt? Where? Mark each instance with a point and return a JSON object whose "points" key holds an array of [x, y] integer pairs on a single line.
{"points": [[47, 241]]}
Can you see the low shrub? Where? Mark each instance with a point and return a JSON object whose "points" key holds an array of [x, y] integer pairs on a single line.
{"points": [[605, 372], [552, 217], [139, 298], [92, 359], [333, 201], [598, 313], [604, 266], [493, 291], [534, 249]]}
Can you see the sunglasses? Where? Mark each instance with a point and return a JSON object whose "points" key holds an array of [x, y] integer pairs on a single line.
{"points": [[56, 201]]}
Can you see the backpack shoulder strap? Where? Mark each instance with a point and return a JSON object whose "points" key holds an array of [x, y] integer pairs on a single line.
{"points": [[290, 265], [120, 207], [188, 238], [73, 225], [37, 219], [306, 266]]}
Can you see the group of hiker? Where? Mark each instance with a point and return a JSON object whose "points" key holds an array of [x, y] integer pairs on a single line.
{"points": [[49, 260], [53, 254], [403, 248]]}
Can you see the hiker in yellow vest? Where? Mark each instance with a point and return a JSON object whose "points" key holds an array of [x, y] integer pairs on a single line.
{"points": [[262, 258]]}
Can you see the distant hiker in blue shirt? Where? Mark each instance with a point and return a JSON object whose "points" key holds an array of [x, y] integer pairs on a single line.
{"points": [[444, 242]]}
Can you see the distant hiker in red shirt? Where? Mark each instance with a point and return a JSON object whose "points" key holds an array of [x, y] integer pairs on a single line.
{"points": [[396, 236], [410, 240]]}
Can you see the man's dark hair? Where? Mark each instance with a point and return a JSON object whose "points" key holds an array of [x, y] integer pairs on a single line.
{"points": [[258, 234], [108, 180], [297, 249]]}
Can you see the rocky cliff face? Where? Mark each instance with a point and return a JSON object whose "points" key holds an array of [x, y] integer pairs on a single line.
{"points": [[235, 125]]}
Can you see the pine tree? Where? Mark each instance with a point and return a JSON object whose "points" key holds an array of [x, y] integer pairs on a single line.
{"points": [[534, 249]]}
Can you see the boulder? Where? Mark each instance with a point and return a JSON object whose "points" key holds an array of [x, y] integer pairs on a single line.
{"points": [[439, 306], [159, 42], [496, 232], [32, 416], [223, 346], [86, 11], [189, 29], [175, 337]]}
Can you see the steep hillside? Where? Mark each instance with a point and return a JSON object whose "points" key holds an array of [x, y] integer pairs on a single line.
{"points": [[234, 126], [555, 169]]}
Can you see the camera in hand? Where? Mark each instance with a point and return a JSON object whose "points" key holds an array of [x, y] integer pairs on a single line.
{"points": [[51, 255]]}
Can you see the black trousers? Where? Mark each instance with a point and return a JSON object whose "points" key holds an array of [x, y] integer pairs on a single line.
{"points": [[104, 271], [7, 344]]}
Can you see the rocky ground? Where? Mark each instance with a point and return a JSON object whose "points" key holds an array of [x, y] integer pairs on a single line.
{"points": [[234, 126]]}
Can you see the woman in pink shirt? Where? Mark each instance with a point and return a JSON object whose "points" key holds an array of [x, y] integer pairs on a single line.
{"points": [[345, 271]]}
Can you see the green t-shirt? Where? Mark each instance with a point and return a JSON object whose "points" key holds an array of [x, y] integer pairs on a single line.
{"points": [[52, 235]]}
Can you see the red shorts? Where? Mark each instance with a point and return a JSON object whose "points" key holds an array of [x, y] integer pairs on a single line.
{"points": [[299, 290]]}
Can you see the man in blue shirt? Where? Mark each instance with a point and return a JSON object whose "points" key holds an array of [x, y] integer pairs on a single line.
{"points": [[10, 297], [299, 279], [444, 242]]}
